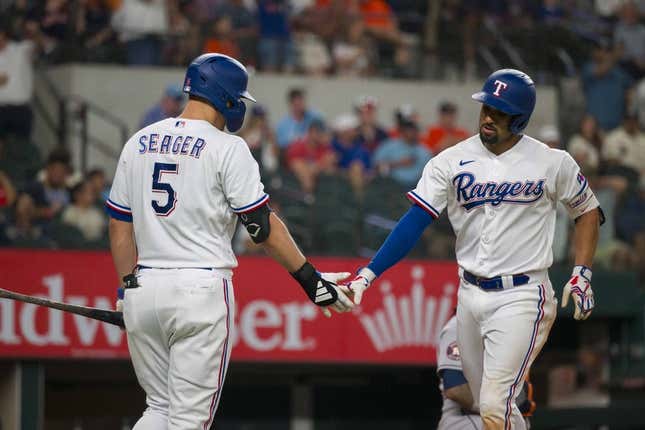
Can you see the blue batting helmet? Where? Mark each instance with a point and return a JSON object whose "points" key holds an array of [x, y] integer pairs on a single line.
{"points": [[512, 92], [220, 80]]}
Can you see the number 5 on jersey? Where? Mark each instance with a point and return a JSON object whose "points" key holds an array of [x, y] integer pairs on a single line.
{"points": [[163, 187]]}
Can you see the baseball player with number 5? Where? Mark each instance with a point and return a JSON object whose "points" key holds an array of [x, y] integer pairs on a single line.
{"points": [[180, 186], [500, 188]]}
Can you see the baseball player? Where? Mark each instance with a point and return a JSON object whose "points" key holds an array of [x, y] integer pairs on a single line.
{"points": [[500, 188], [180, 186], [458, 411]]}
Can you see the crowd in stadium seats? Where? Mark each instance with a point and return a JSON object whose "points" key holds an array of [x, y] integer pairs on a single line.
{"points": [[439, 39], [338, 181]]}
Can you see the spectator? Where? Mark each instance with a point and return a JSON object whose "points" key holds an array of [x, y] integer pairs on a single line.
{"points": [[550, 135], [221, 38], [585, 145], [605, 86], [16, 85], [275, 47], [23, 231], [98, 183], [15, 16], [370, 133], [311, 155], [141, 25], [625, 146], [446, 132], [631, 223], [296, 123], [405, 113], [313, 55], [50, 195], [639, 102], [379, 20], [629, 38], [245, 29], [352, 156], [83, 214], [55, 22], [7, 191], [382, 25], [169, 106], [261, 140], [351, 52], [403, 158], [94, 31]]}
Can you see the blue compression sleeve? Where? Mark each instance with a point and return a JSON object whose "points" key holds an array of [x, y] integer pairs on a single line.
{"points": [[401, 240], [452, 378]]}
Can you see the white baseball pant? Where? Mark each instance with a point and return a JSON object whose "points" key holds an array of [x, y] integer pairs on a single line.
{"points": [[500, 333], [178, 324]]}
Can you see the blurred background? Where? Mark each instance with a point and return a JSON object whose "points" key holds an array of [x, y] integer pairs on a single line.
{"points": [[354, 97]]}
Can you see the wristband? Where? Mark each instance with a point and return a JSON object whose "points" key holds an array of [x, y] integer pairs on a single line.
{"points": [[306, 271], [368, 274], [582, 271], [319, 291]]}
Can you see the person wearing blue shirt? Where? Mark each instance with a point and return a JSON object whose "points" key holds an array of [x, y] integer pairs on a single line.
{"points": [[605, 86], [403, 158], [169, 106], [295, 124], [275, 46], [352, 155]]}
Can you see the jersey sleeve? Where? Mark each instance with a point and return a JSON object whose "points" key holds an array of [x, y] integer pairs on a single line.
{"points": [[118, 204], [241, 180], [448, 352], [431, 193], [572, 188]]}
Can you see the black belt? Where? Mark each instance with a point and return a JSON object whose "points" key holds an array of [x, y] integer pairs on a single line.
{"points": [[494, 283]]}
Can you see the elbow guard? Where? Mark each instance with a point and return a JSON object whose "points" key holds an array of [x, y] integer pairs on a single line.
{"points": [[257, 223]]}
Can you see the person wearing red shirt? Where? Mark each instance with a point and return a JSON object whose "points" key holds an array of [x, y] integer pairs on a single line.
{"points": [[445, 132], [311, 155]]}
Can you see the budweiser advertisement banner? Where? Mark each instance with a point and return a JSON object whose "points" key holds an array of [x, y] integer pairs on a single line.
{"points": [[398, 322]]}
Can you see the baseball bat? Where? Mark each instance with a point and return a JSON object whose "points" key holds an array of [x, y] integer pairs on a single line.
{"points": [[110, 317]]}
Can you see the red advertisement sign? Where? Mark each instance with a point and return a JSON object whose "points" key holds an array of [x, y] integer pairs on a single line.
{"points": [[399, 320]]}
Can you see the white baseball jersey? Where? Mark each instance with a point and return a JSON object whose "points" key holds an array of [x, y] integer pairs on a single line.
{"points": [[448, 358], [183, 181], [502, 207]]}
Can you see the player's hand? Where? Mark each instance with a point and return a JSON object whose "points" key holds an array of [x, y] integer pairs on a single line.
{"points": [[344, 303], [360, 283], [579, 287], [322, 289]]}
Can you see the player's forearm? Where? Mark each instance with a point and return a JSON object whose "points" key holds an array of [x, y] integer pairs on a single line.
{"points": [[281, 247], [123, 247], [401, 240], [585, 237], [462, 395]]}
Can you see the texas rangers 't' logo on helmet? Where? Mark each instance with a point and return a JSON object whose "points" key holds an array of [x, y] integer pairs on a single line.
{"points": [[499, 86]]}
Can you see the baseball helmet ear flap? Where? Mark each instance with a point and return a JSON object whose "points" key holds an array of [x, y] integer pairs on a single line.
{"points": [[518, 124], [221, 81], [512, 92]]}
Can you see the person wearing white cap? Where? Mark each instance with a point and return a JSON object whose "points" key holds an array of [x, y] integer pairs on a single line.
{"points": [[550, 135], [370, 132], [353, 158]]}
